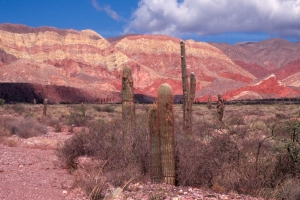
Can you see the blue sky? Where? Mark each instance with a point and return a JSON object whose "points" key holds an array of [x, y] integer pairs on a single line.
{"points": [[228, 21]]}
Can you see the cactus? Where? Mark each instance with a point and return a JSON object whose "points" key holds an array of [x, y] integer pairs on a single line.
{"points": [[185, 86], [155, 154], [189, 114], [166, 131], [220, 108], [161, 127], [128, 106], [188, 93], [45, 107], [209, 106]]}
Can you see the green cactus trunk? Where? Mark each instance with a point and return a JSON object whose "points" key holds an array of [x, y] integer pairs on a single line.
{"points": [[188, 93], [185, 86], [189, 119], [128, 106], [45, 107], [166, 131], [155, 154]]}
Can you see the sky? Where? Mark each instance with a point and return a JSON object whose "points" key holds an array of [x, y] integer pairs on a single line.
{"points": [[229, 21]]}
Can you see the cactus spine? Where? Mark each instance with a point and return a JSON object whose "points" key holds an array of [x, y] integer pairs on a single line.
{"points": [[45, 107], [155, 154], [128, 106], [188, 93]]}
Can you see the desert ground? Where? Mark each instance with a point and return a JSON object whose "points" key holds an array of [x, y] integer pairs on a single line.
{"points": [[76, 151]]}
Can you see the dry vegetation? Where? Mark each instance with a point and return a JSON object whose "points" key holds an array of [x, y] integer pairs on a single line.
{"points": [[255, 151]]}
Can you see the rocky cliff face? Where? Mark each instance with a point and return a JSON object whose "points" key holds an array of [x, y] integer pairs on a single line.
{"points": [[90, 65], [261, 59]]}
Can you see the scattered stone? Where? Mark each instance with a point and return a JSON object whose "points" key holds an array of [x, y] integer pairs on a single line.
{"points": [[114, 195]]}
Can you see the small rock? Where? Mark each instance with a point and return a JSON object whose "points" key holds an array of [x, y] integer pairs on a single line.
{"points": [[65, 192], [115, 194], [180, 192]]}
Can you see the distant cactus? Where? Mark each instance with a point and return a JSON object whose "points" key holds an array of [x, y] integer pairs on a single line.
{"points": [[34, 101], [155, 154], [220, 108], [166, 131], [128, 106], [45, 107], [188, 93], [209, 106]]}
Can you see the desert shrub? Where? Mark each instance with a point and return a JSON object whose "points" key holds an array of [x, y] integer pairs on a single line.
{"points": [[23, 127], [5, 125], [289, 189], [281, 116], [208, 163], [105, 142], [242, 156], [234, 119], [18, 108], [50, 121], [27, 127], [98, 108], [78, 116], [108, 109], [239, 104], [239, 157], [29, 114], [2, 102]]}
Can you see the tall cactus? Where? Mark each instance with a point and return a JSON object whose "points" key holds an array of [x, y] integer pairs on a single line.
{"points": [[189, 118], [155, 154], [128, 106], [45, 107], [188, 93], [166, 131], [185, 86]]}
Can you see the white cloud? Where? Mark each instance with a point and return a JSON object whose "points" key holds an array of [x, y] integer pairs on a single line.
{"points": [[108, 11], [206, 17]]}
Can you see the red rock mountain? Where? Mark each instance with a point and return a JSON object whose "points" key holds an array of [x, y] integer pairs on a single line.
{"points": [[75, 66]]}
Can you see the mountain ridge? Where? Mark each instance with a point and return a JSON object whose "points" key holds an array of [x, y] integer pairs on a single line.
{"points": [[87, 61]]}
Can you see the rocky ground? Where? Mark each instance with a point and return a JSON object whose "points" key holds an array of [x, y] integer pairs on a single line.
{"points": [[30, 169]]}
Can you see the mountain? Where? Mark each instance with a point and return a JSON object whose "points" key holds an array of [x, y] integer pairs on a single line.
{"points": [[82, 66]]}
